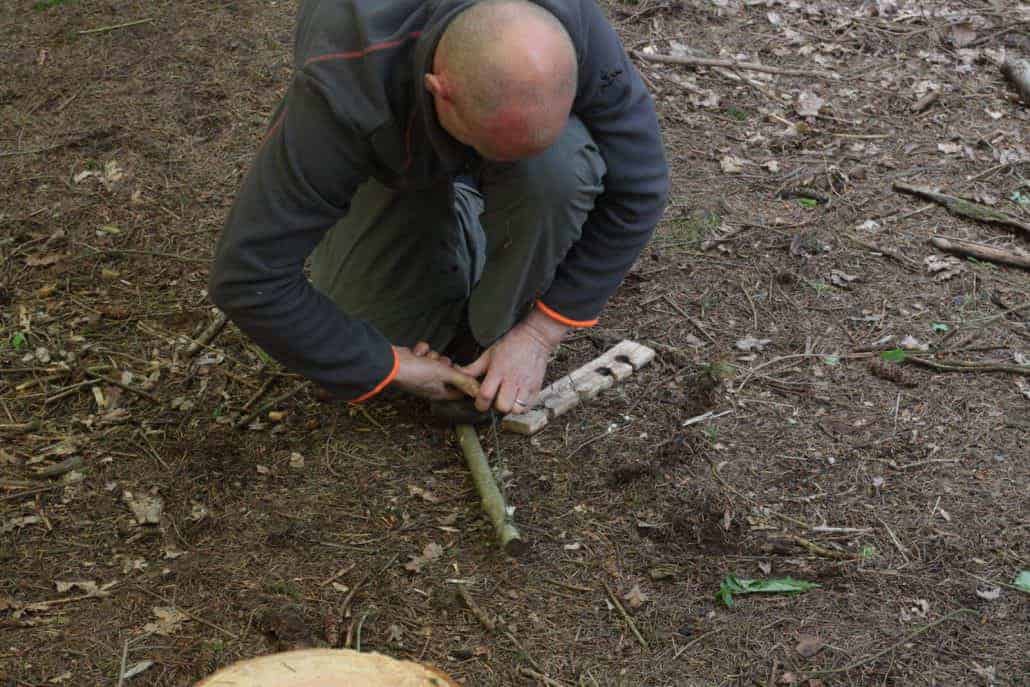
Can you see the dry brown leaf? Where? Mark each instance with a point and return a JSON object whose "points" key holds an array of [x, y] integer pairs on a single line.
{"points": [[809, 104], [423, 494], [44, 260], [732, 165], [86, 586], [809, 646], [635, 598], [430, 553], [169, 620], [146, 509], [962, 34]]}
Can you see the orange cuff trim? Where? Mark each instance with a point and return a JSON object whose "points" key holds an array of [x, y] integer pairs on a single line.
{"points": [[381, 385], [564, 320]]}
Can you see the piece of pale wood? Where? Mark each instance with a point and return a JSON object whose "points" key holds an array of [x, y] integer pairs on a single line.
{"points": [[582, 384], [327, 668]]}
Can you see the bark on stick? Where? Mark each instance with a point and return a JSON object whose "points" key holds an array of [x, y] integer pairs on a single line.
{"points": [[981, 252], [493, 501], [964, 208]]}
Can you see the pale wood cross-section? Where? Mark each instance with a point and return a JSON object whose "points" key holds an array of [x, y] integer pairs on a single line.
{"points": [[615, 365], [327, 668]]}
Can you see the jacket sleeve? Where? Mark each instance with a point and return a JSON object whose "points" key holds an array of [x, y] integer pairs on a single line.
{"points": [[300, 183], [616, 108]]}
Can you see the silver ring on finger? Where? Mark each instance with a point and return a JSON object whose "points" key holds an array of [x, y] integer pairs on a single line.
{"points": [[520, 402]]}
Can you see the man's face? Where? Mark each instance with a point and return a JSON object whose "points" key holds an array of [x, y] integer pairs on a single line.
{"points": [[504, 137]]}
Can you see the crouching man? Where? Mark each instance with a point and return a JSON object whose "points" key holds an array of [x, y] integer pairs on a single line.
{"points": [[471, 180]]}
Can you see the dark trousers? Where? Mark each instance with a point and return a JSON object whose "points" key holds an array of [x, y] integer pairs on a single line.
{"points": [[412, 263]]}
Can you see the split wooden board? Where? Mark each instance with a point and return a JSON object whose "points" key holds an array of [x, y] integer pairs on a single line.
{"points": [[586, 382]]}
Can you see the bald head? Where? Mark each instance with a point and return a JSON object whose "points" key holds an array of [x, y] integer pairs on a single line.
{"points": [[504, 78]]}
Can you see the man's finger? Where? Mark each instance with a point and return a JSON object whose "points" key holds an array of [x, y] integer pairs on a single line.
{"points": [[479, 366], [420, 349], [505, 400], [487, 392]]}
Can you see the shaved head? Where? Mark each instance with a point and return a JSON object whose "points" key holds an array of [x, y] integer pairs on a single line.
{"points": [[504, 78]]}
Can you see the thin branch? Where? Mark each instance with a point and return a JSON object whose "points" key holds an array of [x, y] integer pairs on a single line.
{"points": [[114, 27], [151, 253], [208, 335], [963, 208], [625, 616], [735, 64], [904, 640], [967, 366]]}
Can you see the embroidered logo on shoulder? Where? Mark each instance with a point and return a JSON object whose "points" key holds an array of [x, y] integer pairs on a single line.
{"points": [[608, 77]]}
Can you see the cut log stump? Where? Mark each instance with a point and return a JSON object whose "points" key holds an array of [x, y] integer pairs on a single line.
{"points": [[327, 668]]}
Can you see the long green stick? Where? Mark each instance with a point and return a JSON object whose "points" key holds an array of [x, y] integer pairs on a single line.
{"points": [[493, 501]]}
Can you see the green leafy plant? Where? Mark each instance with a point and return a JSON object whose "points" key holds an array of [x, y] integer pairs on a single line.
{"points": [[808, 203], [781, 585], [19, 341], [895, 355], [939, 327], [736, 113]]}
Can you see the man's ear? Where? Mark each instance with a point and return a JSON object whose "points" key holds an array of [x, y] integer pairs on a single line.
{"points": [[435, 85]]}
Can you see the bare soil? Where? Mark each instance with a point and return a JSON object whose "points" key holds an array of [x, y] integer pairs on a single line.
{"points": [[902, 490]]}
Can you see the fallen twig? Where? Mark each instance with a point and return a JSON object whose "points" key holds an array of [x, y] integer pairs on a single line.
{"points": [[58, 469], [478, 612], [206, 336], [710, 415], [494, 626], [20, 427], [963, 208], [904, 640], [69, 390], [700, 327], [33, 151], [114, 27], [735, 64], [894, 540], [194, 616], [259, 393], [926, 101], [249, 417], [125, 656], [131, 389], [981, 251], [151, 253], [694, 641], [540, 677], [822, 551], [908, 263], [968, 366], [625, 616], [31, 492]]}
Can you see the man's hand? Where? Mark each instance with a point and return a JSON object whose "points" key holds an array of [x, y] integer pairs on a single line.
{"points": [[425, 373], [514, 366]]}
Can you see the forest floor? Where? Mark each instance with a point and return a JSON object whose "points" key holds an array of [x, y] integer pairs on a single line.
{"points": [[786, 266]]}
